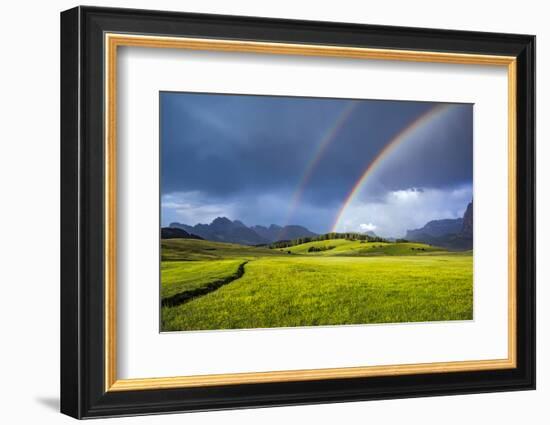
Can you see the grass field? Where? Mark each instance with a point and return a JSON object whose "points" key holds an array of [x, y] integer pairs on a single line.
{"points": [[229, 286]]}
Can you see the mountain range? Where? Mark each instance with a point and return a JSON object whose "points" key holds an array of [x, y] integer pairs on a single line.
{"points": [[223, 229], [454, 234]]}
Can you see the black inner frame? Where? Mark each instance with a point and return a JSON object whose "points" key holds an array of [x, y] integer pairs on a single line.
{"points": [[82, 212]]}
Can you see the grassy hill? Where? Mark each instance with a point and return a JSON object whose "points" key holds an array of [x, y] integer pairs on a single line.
{"points": [[345, 247], [193, 250]]}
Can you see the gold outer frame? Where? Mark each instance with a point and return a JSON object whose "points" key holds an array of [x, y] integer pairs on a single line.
{"points": [[113, 41]]}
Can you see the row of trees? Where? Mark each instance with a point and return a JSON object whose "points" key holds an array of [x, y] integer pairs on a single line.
{"points": [[327, 236], [320, 248]]}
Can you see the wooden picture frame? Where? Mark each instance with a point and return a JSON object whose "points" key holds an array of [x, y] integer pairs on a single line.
{"points": [[90, 38]]}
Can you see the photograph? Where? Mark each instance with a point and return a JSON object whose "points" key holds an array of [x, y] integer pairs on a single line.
{"points": [[284, 211]]}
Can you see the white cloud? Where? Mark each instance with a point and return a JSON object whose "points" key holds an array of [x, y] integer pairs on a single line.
{"points": [[406, 195], [369, 227], [402, 210]]}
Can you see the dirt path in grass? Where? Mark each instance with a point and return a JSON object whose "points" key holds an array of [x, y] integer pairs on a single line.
{"points": [[186, 296]]}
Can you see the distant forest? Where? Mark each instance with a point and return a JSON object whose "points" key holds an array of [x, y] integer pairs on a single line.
{"points": [[327, 236]]}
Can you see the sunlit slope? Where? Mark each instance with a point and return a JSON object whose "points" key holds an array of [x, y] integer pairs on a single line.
{"points": [[192, 250], [345, 247]]}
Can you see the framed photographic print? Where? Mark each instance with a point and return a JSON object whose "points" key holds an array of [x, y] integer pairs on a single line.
{"points": [[261, 212]]}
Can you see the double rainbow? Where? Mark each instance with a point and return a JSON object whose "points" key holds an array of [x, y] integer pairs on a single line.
{"points": [[431, 115]]}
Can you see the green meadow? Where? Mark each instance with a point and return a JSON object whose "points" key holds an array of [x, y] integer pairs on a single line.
{"points": [[211, 285]]}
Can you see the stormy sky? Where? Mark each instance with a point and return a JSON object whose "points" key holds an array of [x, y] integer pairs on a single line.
{"points": [[292, 160]]}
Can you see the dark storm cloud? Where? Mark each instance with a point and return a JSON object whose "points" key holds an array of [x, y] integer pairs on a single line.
{"points": [[223, 144], [239, 150]]}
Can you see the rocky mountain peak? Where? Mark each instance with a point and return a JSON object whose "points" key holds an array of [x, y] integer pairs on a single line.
{"points": [[221, 221], [468, 220]]}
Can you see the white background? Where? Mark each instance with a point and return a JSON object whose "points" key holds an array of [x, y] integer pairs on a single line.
{"points": [[139, 343], [29, 228]]}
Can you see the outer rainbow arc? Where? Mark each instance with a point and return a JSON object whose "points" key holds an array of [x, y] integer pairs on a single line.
{"points": [[325, 142], [386, 150]]}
